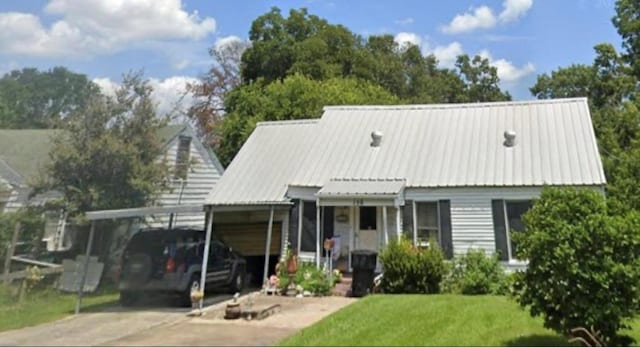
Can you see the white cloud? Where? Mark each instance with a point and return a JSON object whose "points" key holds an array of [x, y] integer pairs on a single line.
{"points": [[507, 72], [225, 41], [481, 18], [88, 27], [448, 54], [404, 38], [514, 9], [168, 94], [405, 21]]}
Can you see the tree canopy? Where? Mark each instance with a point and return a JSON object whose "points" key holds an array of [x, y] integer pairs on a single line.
{"points": [[107, 158], [30, 98], [302, 54]]}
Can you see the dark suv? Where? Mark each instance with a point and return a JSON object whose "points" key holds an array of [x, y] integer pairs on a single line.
{"points": [[170, 261]]}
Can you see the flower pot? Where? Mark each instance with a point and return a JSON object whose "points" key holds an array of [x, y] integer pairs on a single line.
{"points": [[292, 265], [232, 311]]}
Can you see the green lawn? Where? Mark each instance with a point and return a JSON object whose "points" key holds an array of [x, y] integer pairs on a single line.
{"points": [[45, 305], [449, 320]]}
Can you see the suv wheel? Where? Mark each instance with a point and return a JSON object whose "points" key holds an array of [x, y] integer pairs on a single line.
{"points": [[128, 298], [237, 283]]}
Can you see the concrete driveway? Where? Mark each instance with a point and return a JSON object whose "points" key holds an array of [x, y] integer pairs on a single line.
{"points": [[171, 327]]}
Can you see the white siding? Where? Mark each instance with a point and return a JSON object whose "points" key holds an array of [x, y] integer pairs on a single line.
{"points": [[471, 214], [202, 176]]}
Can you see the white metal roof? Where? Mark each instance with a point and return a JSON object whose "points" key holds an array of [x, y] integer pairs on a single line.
{"points": [[426, 145], [358, 187]]}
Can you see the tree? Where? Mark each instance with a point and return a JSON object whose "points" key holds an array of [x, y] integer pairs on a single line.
{"points": [[107, 157], [627, 22], [607, 82], [480, 79], [212, 89], [42, 99], [296, 97], [583, 264]]}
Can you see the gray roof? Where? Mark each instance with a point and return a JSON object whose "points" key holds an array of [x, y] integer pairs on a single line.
{"points": [[450, 145], [360, 187]]}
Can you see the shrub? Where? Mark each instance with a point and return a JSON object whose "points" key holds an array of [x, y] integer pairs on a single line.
{"points": [[584, 265], [475, 273], [411, 270], [309, 277]]}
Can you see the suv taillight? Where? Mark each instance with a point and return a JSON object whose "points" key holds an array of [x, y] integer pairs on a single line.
{"points": [[170, 266]]}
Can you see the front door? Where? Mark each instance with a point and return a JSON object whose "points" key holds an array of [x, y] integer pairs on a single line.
{"points": [[367, 233]]}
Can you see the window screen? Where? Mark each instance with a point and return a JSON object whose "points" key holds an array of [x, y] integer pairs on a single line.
{"points": [[428, 225], [515, 210], [182, 157], [308, 237], [367, 217]]}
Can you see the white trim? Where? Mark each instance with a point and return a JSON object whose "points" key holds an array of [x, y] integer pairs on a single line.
{"points": [[385, 227], [318, 234], [300, 222], [398, 224], [414, 215]]}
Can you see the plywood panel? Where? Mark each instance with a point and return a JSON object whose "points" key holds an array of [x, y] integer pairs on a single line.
{"points": [[250, 238]]}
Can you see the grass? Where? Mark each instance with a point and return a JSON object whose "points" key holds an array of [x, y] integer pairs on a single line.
{"points": [[418, 320], [45, 305]]}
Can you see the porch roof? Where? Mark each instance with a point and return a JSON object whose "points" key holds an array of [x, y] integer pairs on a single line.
{"points": [[347, 188]]}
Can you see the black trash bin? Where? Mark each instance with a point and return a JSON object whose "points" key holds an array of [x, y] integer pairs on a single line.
{"points": [[363, 263]]}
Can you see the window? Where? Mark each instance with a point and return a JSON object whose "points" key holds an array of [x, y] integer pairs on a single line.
{"points": [[308, 232], [368, 217], [182, 157], [428, 224], [513, 217]]}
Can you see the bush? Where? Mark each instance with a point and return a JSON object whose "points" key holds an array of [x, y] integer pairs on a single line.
{"points": [[411, 270], [309, 277], [584, 265], [475, 273]]}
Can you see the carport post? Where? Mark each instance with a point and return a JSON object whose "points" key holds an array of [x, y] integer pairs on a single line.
{"points": [[205, 256], [318, 234], [398, 224], [86, 266], [267, 250]]}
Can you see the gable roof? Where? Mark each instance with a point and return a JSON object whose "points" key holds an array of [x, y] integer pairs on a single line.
{"points": [[450, 145], [24, 152]]}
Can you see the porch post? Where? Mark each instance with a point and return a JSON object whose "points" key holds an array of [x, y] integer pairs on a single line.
{"points": [[398, 224], [83, 279], [415, 224], [318, 233], [352, 224], [384, 225], [300, 222], [205, 256], [267, 250]]}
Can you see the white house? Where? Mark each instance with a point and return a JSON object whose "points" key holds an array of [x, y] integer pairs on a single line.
{"points": [[460, 173], [23, 154]]}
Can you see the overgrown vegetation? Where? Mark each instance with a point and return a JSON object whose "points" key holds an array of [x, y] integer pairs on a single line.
{"points": [[408, 269], [475, 273], [32, 226], [584, 264]]}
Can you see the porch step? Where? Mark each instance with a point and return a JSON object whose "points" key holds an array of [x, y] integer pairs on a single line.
{"points": [[343, 288]]}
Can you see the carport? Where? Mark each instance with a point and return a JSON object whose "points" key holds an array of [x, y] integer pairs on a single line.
{"points": [[94, 216]]}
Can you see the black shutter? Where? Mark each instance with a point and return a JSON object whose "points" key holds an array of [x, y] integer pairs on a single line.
{"points": [[293, 225], [327, 222], [500, 229], [446, 241], [407, 220]]}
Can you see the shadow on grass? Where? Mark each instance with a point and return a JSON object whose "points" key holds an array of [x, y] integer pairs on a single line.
{"points": [[538, 340]]}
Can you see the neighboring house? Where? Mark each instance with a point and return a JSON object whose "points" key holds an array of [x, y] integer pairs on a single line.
{"points": [[462, 174], [195, 170]]}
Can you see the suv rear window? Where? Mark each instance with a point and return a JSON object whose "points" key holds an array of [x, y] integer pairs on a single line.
{"points": [[154, 239]]}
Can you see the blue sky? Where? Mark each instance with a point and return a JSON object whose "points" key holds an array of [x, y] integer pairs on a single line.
{"points": [[169, 39]]}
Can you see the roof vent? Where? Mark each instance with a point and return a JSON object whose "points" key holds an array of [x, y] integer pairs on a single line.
{"points": [[376, 138], [509, 138]]}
